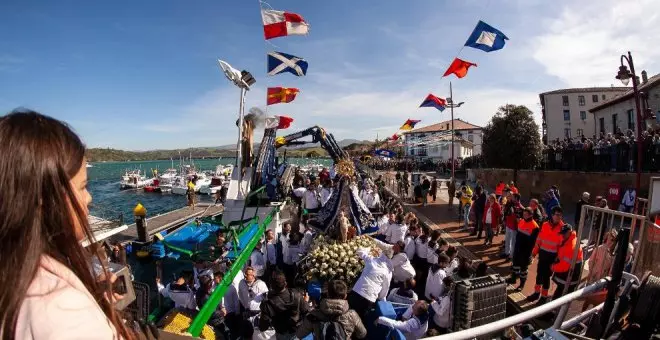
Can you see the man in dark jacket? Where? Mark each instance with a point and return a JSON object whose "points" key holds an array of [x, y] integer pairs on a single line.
{"points": [[479, 199], [426, 186], [578, 207], [283, 309], [333, 312]]}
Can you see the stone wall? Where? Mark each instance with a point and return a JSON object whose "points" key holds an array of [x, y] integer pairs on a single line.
{"points": [[532, 183]]}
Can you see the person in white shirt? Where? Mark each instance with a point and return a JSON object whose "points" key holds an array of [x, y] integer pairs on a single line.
{"points": [[384, 222], [442, 307], [409, 242], [180, 291], [292, 258], [326, 192], [310, 197], [370, 197], [283, 244], [232, 304], [373, 283], [258, 260], [271, 249], [397, 231], [453, 260], [405, 294], [416, 321], [434, 286], [251, 292], [308, 238], [403, 269], [200, 268]]}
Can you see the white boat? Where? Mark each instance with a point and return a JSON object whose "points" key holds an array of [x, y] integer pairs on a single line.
{"points": [[168, 176], [134, 179], [219, 179], [89, 165], [179, 186]]}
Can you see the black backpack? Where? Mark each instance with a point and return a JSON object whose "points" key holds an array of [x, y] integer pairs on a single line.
{"points": [[332, 330]]}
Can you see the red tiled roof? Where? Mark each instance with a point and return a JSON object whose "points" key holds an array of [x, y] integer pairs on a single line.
{"points": [[442, 126]]}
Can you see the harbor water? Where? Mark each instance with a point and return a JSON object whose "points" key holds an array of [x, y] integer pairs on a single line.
{"points": [[109, 202]]}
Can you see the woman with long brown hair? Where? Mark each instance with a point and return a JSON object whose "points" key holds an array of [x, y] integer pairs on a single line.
{"points": [[48, 290]]}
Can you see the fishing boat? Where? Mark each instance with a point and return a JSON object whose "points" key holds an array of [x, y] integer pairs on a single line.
{"points": [[219, 179], [134, 179]]}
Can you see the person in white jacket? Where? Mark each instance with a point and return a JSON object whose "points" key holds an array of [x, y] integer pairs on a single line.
{"points": [[416, 321], [180, 291], [384, 222], [453, 260], [397, 231], [258, 260], [403, 269], [251, 291], [434, 286], [442, 307], [373, 283]]}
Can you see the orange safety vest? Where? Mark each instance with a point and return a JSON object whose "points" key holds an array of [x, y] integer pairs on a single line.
{"points": [[527, 228], [549, 238], [565, 255]]}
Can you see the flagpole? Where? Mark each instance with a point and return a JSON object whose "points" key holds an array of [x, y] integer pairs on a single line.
{"points": [[451, 107]]}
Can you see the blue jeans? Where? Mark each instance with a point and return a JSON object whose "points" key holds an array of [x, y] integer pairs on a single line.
{"points": [[466, 215]]}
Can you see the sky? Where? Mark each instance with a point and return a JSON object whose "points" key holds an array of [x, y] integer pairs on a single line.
{"points": [[142, 75]]}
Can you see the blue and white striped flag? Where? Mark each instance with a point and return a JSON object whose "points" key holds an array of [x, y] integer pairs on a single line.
{"points": [[279, 62]]}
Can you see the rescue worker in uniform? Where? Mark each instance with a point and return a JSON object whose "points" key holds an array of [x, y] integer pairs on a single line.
{"points": [[562, 265], [547, 245], [528, 230]]}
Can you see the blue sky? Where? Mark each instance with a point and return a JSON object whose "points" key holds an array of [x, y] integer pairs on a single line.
{"points": [[143, 75]]}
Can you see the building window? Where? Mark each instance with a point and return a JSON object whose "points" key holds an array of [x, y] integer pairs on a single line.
{"points": [[580, 132], [631, 120], [471, 138], [601, 124], [564, 100], [594, 98], [603, 97], [581, 101], [567, 132], [614, 119], [583, 115], [567, 115]]}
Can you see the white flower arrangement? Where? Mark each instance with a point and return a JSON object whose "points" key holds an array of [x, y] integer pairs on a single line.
{"points": [[330, 260]]}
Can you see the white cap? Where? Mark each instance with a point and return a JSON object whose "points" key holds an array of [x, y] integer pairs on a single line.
{"points": [[586, 195]]}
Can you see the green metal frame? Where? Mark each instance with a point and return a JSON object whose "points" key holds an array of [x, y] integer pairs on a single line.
{"points": [[207, 310]]}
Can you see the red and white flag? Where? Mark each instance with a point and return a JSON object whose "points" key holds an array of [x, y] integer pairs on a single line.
{"points": [[281, 24], [278, 122]]}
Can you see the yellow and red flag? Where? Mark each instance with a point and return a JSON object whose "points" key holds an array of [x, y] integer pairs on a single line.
{"points": [[409, 124], [278, 95]]}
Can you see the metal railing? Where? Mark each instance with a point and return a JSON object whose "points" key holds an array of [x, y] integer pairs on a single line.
{"points": [[517, 319]]}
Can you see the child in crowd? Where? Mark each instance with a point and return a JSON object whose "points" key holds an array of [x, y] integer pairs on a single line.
{"points": [[442, 307], [437, 273], [416, 321]]}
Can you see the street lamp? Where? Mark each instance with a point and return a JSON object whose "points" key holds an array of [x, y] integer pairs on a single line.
{"points": [[243, 80], [450, 103], [624, 76]]}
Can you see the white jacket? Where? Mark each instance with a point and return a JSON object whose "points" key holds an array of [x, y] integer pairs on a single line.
{"points": [[231, 300], [403, 269], [421, 248], [434, 285], [383, 224], [182, 298], [410, 247], [251, 300], [442, 309], [411, 328], [396, 232], [396, 298], [374, 282], [258, 262]]}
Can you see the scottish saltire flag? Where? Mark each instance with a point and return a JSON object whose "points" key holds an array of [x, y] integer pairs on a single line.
{"points": [[486, 38], [433, 101], [279, 62]]}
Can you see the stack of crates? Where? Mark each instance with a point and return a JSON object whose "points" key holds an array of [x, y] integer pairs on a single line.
{"points": [[479, 301]]}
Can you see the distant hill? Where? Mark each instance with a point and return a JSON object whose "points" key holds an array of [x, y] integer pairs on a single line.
{"points": [[114, 155]]}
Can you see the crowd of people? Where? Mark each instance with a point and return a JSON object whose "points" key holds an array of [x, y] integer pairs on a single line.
{"points": [[607, 152]]}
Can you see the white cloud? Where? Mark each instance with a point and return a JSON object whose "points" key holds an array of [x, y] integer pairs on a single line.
{"points": [[583, 44]]}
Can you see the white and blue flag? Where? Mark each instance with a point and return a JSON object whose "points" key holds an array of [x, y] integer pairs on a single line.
{"points": [[486, 38], [279, 62]]}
